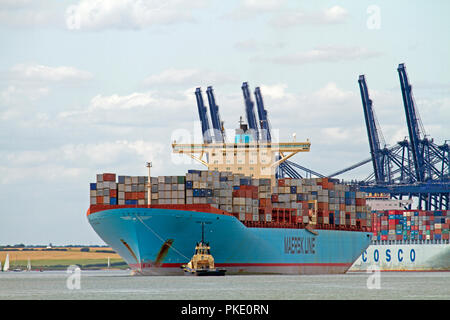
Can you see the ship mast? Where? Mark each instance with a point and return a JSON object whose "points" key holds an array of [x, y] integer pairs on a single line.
{"points": [[149, 185]]}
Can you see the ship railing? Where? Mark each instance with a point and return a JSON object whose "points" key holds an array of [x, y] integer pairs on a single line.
{"points": [[411, 241]]}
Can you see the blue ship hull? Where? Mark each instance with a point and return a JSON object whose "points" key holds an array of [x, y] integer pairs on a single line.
{"points": [[156, 241]]}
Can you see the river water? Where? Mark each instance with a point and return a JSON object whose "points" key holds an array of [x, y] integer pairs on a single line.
{"points": [[119, 284]]}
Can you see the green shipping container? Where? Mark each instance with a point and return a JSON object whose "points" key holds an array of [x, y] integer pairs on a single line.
{"points": [[180, 179]]}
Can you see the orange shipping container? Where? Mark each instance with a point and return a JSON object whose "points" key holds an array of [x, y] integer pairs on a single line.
{"points": [[113, 193], [99, 200]]}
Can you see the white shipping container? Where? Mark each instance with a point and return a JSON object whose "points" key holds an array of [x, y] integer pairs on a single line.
{"points": [[93, 200]]}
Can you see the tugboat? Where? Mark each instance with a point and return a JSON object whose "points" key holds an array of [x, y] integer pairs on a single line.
{"points": [[202, 262]]}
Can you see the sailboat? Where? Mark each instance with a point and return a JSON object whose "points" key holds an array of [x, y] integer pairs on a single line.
{"points": [[29, 265], [109, 263], [6, 265]]}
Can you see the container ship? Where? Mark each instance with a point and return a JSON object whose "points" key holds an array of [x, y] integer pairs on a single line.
{"points": [[406, 240], [254, 223]]}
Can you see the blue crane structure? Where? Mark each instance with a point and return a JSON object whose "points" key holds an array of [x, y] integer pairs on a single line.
{"points": [[250, 112], [219, 132], [202, 112], [262, 115], [286, 168], [416, 168], [373, 131]]}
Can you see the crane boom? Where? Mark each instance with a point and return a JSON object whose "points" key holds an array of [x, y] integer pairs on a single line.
{"points": [[262, 115], [372, 131], [413, 122], [219, 133], [249, 111], [202, 112]]}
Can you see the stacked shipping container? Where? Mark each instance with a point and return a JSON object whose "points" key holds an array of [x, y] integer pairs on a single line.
{"points": [[411, 225], [317, 201]]}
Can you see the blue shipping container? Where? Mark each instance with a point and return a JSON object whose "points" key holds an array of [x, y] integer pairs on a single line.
{"points": [[93, 186], [113, 201]]}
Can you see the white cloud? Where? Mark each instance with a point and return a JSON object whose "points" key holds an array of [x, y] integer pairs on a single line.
{"points": [[332, 53], [128, 14], [72, 160], [291, 18], [30, 13], [173, 76], [37, 72], [254, 45], [262, 5], [115, 101], [276, 91], [251, 8]]}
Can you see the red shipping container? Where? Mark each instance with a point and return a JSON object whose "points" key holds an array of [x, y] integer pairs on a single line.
{"points": [[109, 177], [248, 217], [274, 198], [140, 195], [99, 200], [281, 182], [113, 193]]}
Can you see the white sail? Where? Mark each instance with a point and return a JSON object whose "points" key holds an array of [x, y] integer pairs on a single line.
{"points": [[109, 263], [29, 265], [6, 265]]}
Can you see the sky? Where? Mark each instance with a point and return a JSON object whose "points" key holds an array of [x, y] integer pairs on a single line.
{"points": [[93, 86]]}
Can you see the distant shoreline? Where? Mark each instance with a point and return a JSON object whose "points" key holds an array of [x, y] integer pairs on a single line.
{"points": [[60, 258]]}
